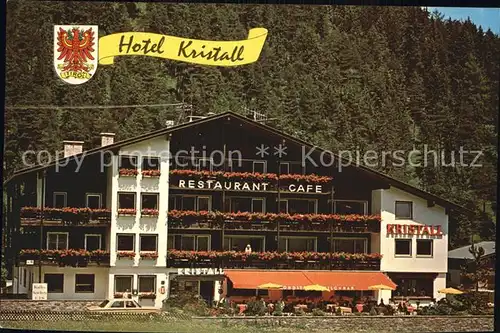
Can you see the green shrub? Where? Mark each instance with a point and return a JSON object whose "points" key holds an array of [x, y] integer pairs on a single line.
{"points": [[256, 308], [300, 312], [318, 312], [186, 302]]}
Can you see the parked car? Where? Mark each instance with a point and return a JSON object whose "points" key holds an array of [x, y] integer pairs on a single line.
{"points": [[122, 305]]}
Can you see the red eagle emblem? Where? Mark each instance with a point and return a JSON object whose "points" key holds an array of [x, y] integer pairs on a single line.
{"points": [[75, 47]]}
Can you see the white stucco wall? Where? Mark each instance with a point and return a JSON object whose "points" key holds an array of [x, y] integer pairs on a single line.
{"points": [[161, 276], [138, 225], [439, 283], [422, 215], [100, 282]]}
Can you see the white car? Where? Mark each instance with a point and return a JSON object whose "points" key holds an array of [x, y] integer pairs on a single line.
{"points": [[122, 305]]}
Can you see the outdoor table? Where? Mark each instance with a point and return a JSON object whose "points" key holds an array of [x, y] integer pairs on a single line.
{"points": [[345, 309], [359, 307]]}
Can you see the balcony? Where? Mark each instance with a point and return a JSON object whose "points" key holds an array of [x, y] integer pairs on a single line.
{"points": [[248, 181], [274, 260], [70, 257], [66, 216], [178, 219]]}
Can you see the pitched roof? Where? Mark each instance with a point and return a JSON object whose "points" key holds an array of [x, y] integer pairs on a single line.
{"points": [[164, 131], [463, 252]]}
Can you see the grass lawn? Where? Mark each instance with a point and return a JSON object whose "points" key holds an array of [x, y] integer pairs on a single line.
{"points": [[147, 326]]}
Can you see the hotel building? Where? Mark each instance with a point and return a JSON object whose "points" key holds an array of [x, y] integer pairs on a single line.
{"points": [[175, 209]]}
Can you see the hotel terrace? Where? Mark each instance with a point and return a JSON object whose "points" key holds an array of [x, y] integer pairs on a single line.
{"points": [[133, 219]]}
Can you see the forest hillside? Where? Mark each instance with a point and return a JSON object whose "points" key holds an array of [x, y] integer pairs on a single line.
{"points": [[341, 77]]}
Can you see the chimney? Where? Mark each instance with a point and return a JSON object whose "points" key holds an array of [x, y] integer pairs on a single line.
{"points": [[107, 139], [72, 148]]}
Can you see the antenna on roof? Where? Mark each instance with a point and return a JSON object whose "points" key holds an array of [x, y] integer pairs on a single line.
{"points": [[256, 116]]}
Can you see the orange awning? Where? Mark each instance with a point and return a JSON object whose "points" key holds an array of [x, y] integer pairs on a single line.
{"points": [[251, 279], [349, 280], [297, 280]]}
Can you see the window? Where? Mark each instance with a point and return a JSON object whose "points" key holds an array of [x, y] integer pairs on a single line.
{"points": [[239, 204], [350, 245], [259, 166], [92, 242], [258, 205], [147, 242], [123, 283], [60, 199], [57, 240], [24, 278], [409, 286], [297, 244], [149, 201], [403, 247], [84, 283], [128, 162], [301, 206], [55, 282], [424, 247], [284, 168], [192, 202], [404, 210], [126, 200], [203, 203], [130, 304], [125, 242], [192, 242], [147, 284], [346, 207], [93, 200], [189, 242], [150, 163], [283, 206], [118, 304], [188, 203]]}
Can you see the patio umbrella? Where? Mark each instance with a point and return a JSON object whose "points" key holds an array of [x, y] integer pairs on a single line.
{"points": [[451, 291], [380, 287], [270, 286], [316, 287]]}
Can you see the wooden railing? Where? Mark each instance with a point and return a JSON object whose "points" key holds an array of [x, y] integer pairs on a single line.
{"points": [[65, 216], [70, 257], [269, 222], [274, 260]]}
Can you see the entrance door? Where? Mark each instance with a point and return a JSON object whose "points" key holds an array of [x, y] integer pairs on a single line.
{"points": [[207, 291]]}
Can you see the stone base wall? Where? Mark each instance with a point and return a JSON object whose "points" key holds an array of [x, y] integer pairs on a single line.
{"points": [[51, 305], [362, 324]]}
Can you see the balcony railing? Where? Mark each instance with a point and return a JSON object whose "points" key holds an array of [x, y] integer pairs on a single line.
{"points": [[178, 219], [274, 260], [66, 216], [70, 257]]}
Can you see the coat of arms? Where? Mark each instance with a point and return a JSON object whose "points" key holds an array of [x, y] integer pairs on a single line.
{"points": [[75, 52]]}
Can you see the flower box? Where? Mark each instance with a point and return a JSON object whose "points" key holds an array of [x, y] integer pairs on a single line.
{"points": [[150, 212], [148, 255], [125, 254], [151, 173], [251, 176], [128, 172], [144, 295], [127, 211]]}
